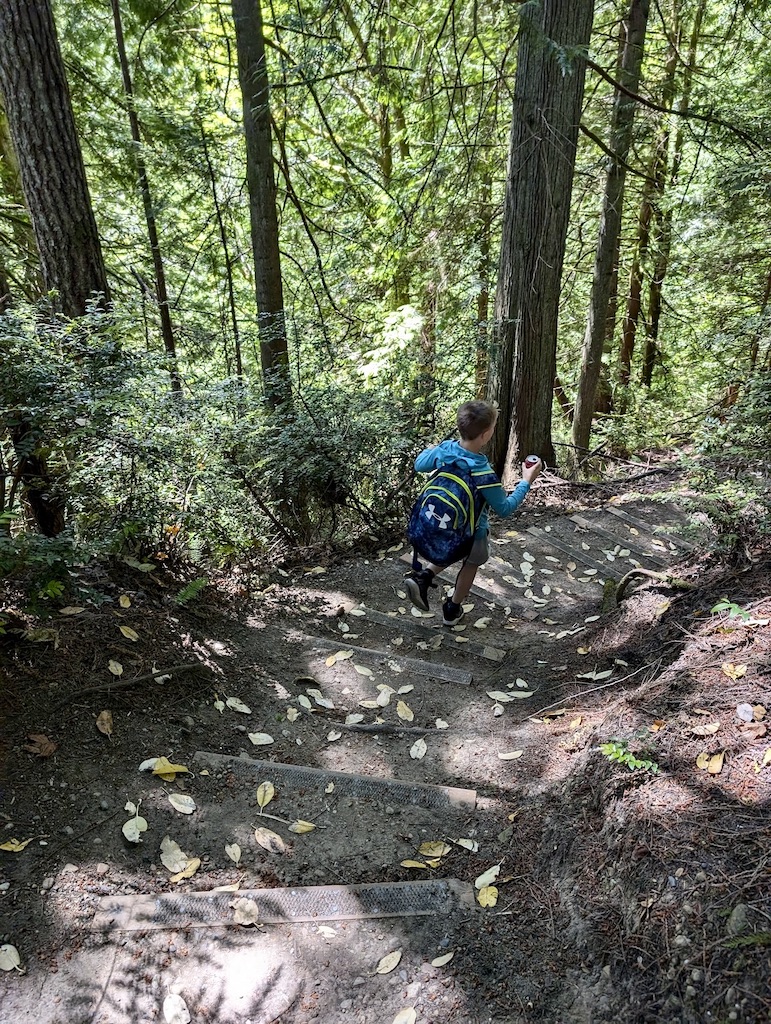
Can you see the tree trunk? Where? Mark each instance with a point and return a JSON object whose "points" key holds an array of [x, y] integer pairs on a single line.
{"points": [[25, 258], [548, 94], [253, 77], [634, 298], [610, 224], [45, 500], [483, 297], [664, 217], [167, 331], [226, 253], [42, 126]]}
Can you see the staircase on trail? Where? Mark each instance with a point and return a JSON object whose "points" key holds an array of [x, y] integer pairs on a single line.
{"points": [[558, 563], [545, 579]]}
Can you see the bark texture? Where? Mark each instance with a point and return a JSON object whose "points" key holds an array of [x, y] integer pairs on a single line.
{"points": [[548, 95], [53, 177], [622, 123], [161, 291], [253, 77]]}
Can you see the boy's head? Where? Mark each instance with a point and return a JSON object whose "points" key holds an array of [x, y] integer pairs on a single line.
{"points": [[474, 418]]}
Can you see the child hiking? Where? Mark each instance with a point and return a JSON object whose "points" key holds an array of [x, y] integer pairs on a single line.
{"points": [[449, 523]]}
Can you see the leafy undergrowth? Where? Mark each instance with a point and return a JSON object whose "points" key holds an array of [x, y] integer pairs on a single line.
{"points": [[626, 807]]}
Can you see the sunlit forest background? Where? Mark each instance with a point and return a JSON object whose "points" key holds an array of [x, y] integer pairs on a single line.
{"points": [[252, 256]]}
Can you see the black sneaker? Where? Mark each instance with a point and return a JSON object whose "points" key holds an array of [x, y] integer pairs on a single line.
{"points": [[417, 584], [452, 613]]}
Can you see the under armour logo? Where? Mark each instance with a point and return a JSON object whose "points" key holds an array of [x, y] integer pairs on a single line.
{"points": [[444, 521]]}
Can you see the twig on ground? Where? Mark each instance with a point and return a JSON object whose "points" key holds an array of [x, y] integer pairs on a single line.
{"points": [[594, 689], [552, 481], [123, 684]]}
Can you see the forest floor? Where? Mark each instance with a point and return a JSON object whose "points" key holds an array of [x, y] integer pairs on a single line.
{"points": [[632, 889]]}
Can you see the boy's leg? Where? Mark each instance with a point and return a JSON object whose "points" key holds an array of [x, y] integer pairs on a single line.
{"points": [[463, 583], [452, 612], [418, 583]]}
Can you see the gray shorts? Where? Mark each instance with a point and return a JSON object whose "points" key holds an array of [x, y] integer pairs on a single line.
{"points": [[480, 549]]}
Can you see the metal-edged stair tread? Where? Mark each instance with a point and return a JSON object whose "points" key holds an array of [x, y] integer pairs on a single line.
{"points": [[618, 541], [446, 673], [345, 783], [657, 530], [416, 626], [285, 906], [576, 553]]}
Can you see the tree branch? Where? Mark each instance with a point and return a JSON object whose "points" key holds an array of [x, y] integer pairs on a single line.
{"points": [[696, 115]]}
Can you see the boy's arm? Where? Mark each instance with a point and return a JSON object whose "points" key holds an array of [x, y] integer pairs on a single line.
{"points": [[426, 461], [504, 504]]}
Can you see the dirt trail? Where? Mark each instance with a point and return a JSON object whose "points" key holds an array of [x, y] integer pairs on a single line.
{"points": [[635, 893]]}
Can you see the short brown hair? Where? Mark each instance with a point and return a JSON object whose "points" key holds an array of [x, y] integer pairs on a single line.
{"points": [[474, 418]]}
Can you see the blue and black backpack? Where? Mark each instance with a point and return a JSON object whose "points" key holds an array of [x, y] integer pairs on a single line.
{"points": [[445, 516]]}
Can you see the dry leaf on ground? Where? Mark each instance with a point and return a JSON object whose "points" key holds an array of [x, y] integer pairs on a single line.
{"points": [[245, 911], [175, 1009], [15, 845], [440, 961], [300, 826], [406, 1016], [706, 730], [733, 671], [238, 705], [270, 841], [487, 877], [487, 896], [260, 739], [188, 870], [434, 848], [182, 802], [388, 962], [9, 957], [404, 711], [40, 745], [166, 770], [265, 793], [172, 856], [135, 826], [418, 749], [104, 723]]}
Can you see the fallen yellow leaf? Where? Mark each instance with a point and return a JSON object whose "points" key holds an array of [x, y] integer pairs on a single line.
{"points": [[188, 870], [299, 827], [434, 848], [166, 770], [733, 671], [15, 845], [488, 896], [388, 962]]}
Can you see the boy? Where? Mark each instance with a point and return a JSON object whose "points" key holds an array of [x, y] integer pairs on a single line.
{"points": [[476, 425]]}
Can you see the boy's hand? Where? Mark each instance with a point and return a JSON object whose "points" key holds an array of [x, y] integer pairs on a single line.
{"points": [[530, 473]]}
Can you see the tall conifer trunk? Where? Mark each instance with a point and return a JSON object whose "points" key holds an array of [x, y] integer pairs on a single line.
{"points": [[548, 94], [253, 76], [53, 177], [610, 223]]}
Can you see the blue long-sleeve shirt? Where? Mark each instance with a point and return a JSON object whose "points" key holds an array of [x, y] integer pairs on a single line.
{"points": [[485, 480]]}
